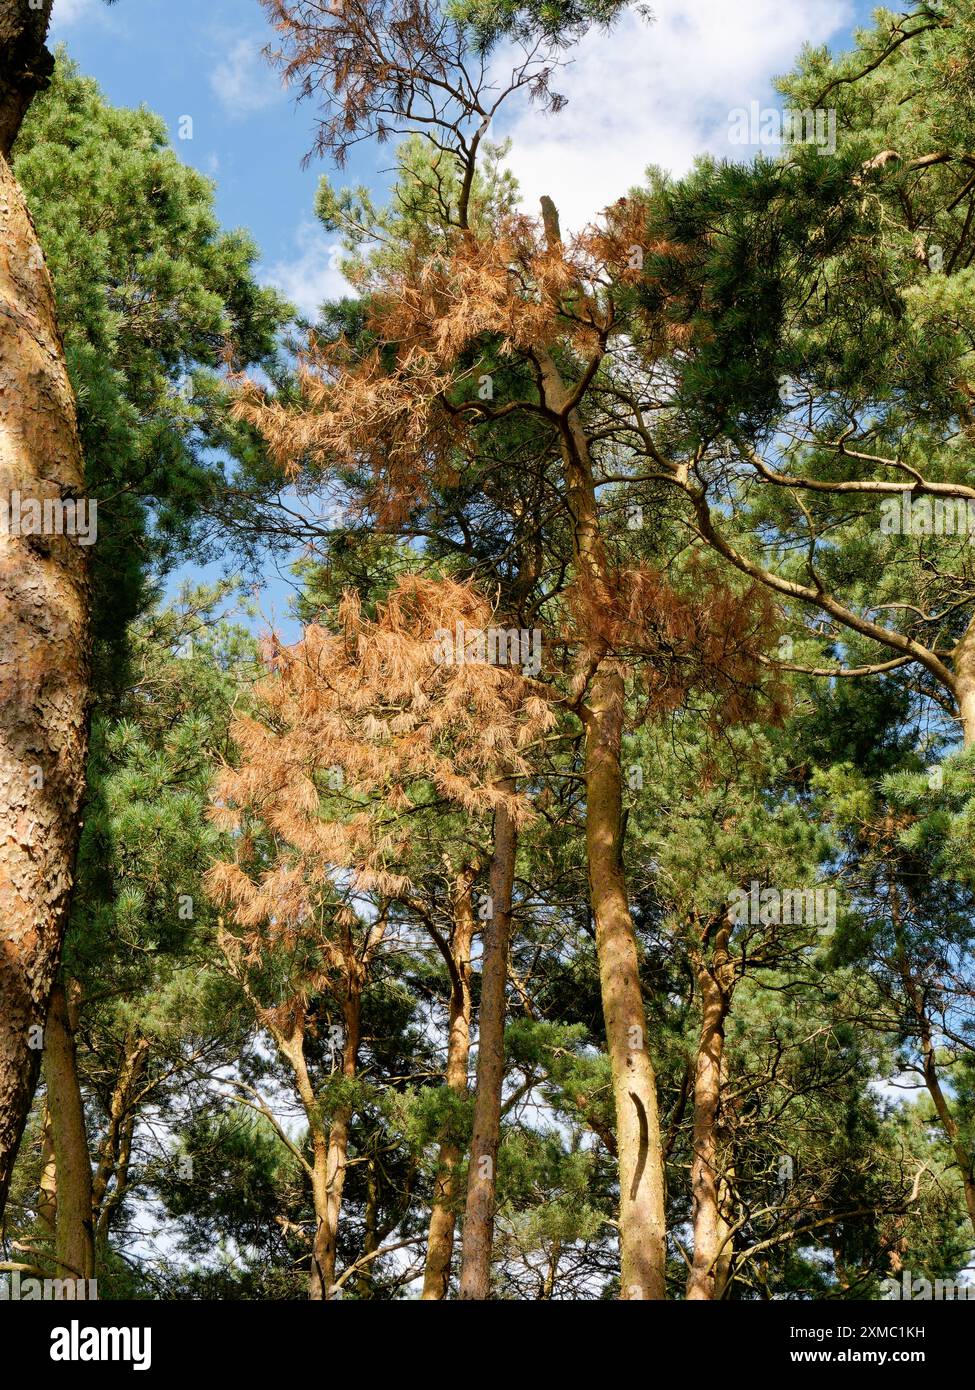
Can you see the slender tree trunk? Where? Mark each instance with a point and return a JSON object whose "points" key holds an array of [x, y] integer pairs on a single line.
{"points": [[639, 1151], [47, 1191], [475, 1275], [110, 1206], [963, 1155], [706, 1277], [932, 1080], [964, 663], [75, 1233], [331, 1159], [639, 1147], [370, 1243], [319, 1278], [726, 1242], [330, 1147], [116, 1147], [43, 612], [440, 1240]]}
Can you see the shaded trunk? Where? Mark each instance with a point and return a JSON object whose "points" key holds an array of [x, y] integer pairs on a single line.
{"points": [[111, 1174], [440, 1239], [370, 1243], [708, 1273], [43, 613], [75, 1248], [963, 1155], [475, 1275], [26, 64], [331, 1158], [330, 1146], [47, 1190]]}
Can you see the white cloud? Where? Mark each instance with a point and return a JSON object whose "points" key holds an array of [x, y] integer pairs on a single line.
{"points": [[659, 94], [68, 12], [312, 276], [244, 82]]}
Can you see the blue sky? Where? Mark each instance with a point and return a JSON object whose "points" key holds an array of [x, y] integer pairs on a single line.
{"points": [[642, 94]]}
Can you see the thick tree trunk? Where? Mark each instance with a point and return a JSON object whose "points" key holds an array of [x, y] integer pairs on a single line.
{"points": [[26, 63], [440, 1240], [475, 1275], [43, 657], [708, 1271], [75, 1232]]}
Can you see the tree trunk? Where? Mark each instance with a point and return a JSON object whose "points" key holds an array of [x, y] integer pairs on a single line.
{"points": [[26, 63], [331, 1159], [708, 1272], [475, 1275], [366, 1282], [75, 1233], [116, 1147], [43, 653], [639, 1147], [640, 1156], [925, 1034], [47, 1191], [440, 1239], [964, 664], [962, 1154]]}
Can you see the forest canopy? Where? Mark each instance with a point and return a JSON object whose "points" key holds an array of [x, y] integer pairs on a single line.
{"points": [[575, 898]]}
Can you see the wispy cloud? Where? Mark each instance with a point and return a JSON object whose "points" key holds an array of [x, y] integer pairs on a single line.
{"points": [[311, 276], [244, 81], [72, 12], [660, 94]]}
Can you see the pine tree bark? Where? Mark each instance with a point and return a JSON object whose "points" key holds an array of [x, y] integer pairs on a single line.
{"points": [[479, 1212], [440, 1238], [43, 614], [75, 1248]]}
